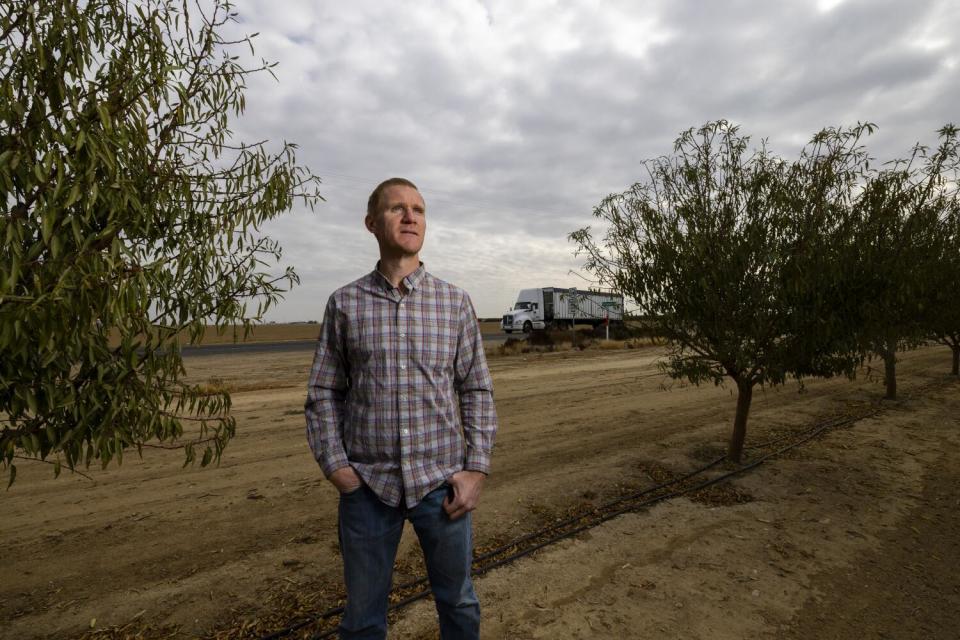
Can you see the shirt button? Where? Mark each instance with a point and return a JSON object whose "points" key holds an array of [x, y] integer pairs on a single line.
{"points": [[403, 367], [405, 431], [403, 335]]}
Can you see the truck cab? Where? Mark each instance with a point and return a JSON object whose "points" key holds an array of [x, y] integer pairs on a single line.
{"points": [[526, 314]]}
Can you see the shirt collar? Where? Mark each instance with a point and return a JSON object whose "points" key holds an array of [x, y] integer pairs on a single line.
{"points": [[411, 281]]}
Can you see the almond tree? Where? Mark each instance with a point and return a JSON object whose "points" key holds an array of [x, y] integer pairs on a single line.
{"points": [[944, 316], [898, 267], [128, 217], [729, 251]]}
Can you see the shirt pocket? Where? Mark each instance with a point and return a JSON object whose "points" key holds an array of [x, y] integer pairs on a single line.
{"points": [[367, 345], [435, 349]]}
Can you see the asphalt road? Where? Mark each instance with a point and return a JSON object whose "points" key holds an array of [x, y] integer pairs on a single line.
{"points": [[290, 345]]}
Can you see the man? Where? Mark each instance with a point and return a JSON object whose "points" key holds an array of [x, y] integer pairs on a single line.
{"points": [[400, 418]]}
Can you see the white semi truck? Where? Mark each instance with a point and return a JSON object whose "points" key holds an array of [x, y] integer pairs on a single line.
{"points": [[550, 307]]}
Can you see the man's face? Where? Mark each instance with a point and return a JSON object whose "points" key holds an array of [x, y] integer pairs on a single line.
{"points": [[400, 223]]}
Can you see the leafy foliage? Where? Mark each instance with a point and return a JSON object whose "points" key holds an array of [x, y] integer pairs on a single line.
{"points": [[127, 215], [944, 314], [902, 259], [730, 252]]}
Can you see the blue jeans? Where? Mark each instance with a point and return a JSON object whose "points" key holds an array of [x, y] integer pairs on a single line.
{"points": [[369, 535]]}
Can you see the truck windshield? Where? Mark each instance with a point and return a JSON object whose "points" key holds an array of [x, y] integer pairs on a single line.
{"points": [[522, 305]]}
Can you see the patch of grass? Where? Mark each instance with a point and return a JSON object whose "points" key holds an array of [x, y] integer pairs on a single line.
{"points": [[219, 385], [213, 385], [549, 342], [612, 345], [510, 347]]}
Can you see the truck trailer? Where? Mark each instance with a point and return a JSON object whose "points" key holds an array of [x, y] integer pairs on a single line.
{"points": [[551, 307]]}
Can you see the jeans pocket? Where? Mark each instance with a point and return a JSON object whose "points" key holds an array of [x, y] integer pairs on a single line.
{"points": [[352, 492]]}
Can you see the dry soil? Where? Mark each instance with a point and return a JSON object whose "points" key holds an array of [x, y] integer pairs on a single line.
{"points": [[852, 535]]}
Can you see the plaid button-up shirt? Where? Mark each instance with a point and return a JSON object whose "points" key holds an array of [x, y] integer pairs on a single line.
{"points": [[399, 387]]}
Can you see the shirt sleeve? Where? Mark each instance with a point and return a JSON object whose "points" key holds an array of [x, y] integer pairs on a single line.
{"points": [[326, 393], [474, 386]]}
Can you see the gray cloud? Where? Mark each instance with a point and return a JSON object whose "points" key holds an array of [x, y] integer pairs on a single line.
{"points": [[515, 119]]}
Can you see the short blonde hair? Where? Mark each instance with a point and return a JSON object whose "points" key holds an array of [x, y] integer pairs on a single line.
{"points": [[373, 203]]}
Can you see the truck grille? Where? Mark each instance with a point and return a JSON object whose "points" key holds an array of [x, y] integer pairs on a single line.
{"points": [[507, 321]]}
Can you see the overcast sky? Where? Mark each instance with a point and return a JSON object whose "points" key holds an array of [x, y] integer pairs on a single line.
{"points": [[516, 118]]}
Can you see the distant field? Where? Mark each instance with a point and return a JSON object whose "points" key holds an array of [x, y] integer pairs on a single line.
{"points": [[260, 333], [283, 332], [490, 326], [287, 332], [264, 333], [280, 332]]}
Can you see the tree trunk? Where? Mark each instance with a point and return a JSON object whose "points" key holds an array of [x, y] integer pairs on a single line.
{"points": [[956, 359], [744, 396], [890, 373]]}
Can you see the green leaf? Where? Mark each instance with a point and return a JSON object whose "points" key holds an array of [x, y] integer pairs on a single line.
{"points": [[104, 112], [31, 399], [73, 196], [47, 227]]}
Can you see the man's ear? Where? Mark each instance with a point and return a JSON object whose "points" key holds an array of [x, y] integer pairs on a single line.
{"points": [[369, 223]]}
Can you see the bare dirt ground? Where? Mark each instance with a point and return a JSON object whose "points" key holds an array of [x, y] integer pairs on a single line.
{"points": [[850, 536]]}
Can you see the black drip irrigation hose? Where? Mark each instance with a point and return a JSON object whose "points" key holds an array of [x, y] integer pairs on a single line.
{"points": [[838, 421], [808, 435], [667, 496], [329, 613]]}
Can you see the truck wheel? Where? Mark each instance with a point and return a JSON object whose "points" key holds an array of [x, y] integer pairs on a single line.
{"points": [[527, 327]]}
